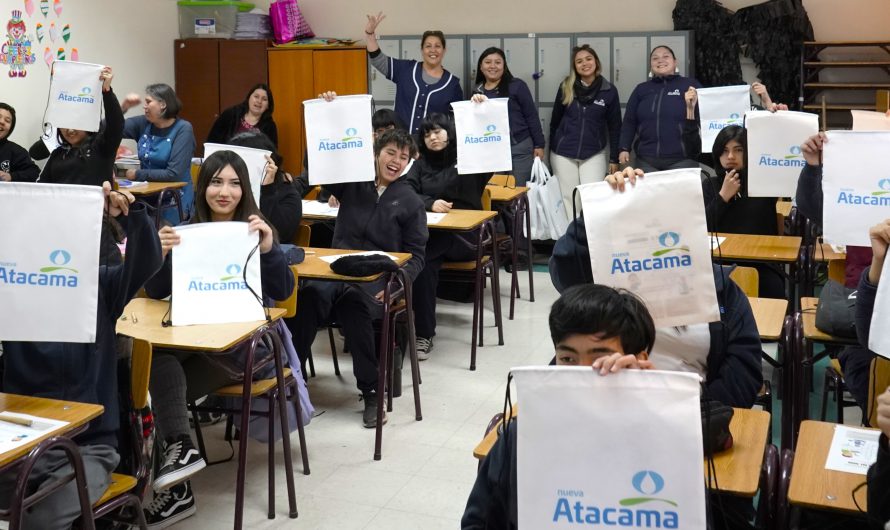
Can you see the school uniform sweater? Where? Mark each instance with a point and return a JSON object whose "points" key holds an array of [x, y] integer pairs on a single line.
{"points": [[492, 503], [521, 111], [654, 117], [589, 123], [87, 373], [15, 161], [229, 123], [434, 176], [394, 221]]}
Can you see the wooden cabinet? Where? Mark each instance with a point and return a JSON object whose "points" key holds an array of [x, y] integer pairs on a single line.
{"points": [[298, 74], [214, 74]]}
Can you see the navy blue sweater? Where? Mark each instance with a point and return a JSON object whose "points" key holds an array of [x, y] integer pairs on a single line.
{"points": [[87, 373], [654, 118], [523, 113], [579, 130]]}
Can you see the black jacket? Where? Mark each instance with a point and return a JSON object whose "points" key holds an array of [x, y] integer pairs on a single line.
{"points": [[434, 176], [229, 121], [588, 124], [282, 205], [92, 163], [15, 161], [492, 502], [734, 376], [394, 222], [87, 372]]}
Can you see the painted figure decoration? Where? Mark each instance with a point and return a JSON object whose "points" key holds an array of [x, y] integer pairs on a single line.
{"points": [[16, 51]]}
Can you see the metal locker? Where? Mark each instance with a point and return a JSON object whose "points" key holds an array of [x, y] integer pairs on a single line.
{"points": [[382, 88], [411, 49], [520, 54], [454, 60], [554, 54], [475, 46], [603, 48], [544, 114], [630, 64], [676, 43]]}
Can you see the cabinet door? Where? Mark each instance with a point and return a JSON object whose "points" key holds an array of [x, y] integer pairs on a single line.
{"points": [[382, 88], [290, 78], [411, 49], [554, 54], [196, 73], [676, 43], [455, 61], [477, 45], [544, 114], [603, 48], [242, 64], [630, 63], [520, 54]]}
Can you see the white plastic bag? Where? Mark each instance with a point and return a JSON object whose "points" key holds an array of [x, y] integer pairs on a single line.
{"points": [[548, 215], [774, 156], [720, 107], [75, 96], [339, 139], [483, 136]]}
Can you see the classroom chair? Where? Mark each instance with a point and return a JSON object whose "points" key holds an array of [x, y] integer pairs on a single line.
{"points": [[783, 507], [834, 384], [511, 245], [748, 280], [312, 194], [498, 179], [769, 489]]}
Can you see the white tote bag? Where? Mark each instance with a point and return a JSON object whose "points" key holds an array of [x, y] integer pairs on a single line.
{"points": [[867, 120], [855, 185], [75, 96], [483, 136], [582, 455], [774, 156], [652, 240], [550, 215], [339, 140], [879, 332], [719, 107], [208, 275], [254, 159], [49, 261]]}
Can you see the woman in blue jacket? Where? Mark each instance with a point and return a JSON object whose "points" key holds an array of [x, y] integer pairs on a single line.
{"points": [[586, 119], [655, 115]]}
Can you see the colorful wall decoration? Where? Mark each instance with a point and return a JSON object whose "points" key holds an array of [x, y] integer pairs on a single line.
{"points": [[18, 50]]}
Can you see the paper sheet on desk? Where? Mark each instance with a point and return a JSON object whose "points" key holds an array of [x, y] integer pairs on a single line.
{"points": [[434, 218], [716, 241], [320, 209], [852, 450], [879, 334], [335, 257], [13, 435]]}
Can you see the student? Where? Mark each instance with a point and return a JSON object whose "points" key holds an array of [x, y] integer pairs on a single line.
{"points": [[83, 372], [177, 378], [384, 215], [879, 474], [15, 164], [435, 179], [254, 114], [726, 354], [421, 87], [591, 325]]}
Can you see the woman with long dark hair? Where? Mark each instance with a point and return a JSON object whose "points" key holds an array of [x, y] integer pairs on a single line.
{"points": [[252, 114]]}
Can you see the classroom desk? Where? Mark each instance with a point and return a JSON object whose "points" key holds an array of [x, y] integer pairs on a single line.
{"points": [[463, 220], [769, 314], [313, 267], [152, 188], [737, 469], [515, 206], [813, 486], [162, 190], [76, 414], [505, 194], [746, 247]]}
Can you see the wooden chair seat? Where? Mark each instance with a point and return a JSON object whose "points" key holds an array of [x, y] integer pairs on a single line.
{"points": [[258, 388], [464, 266], [120, 484], [834, 363]]}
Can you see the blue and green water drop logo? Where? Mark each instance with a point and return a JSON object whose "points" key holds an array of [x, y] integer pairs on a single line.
{"points": [[232, 271], [490, 130], [351, 134], [59, 259], [671, 242], [794, 152], [86, 92], [884, 185], [647, 483]]}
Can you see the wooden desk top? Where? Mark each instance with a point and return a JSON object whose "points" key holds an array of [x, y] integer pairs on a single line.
{"points": [[758, 248], [738, 469], [463, 220], [154, 187], [76, 414], [814, 486], [505, 194], [318, 269], [205, 337], [769, 313], [824, 253], [808, 307], [783, 207]]}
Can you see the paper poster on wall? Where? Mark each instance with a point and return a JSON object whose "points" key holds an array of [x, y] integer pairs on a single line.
{"points": [[593, 475], [255, 159], [867, 120], [208, 275], [340, 141], [720, 107], [663, 256], [774, 155], [879, 332], [17, 52], [483, 136], [75, 96], [49, 263], [855, 185]]}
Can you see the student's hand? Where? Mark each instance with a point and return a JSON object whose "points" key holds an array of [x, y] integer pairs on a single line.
{"points": [[887, 113], [884, 412], [479, 98], [169, 239], [773, 107], [256, 224], [691, 97], [130, 174], [538, 152], [623, 157], [441, 206], [5, 177], [379, 296], [106, 76], [617, 180], [619, 361], [765, 101], [328, 96], [271, 170], [614, 168], [373, 22], [880, 238], [130, 100], [732, 183], [117, 202], [812, 149], [333, 202]]}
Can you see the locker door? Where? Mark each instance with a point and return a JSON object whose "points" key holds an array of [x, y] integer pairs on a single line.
{"points": [[630, 63], [382, 88], [676, 43], [603, 48], [476, 46], [520, 53], [454, 61], [411, 49], [544, 114], [553, 63]]}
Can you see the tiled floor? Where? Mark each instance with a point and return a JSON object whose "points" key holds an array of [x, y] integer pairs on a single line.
{"points": [[427, 468]]}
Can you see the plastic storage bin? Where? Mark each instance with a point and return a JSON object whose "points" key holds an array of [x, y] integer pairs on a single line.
{"points": [[209, 19]]}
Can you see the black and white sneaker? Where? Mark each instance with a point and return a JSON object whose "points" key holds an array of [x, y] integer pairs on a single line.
{"points": [[170, 506], [181, 460], [423, 346]]}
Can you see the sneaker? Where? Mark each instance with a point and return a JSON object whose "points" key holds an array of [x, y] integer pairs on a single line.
{"points": [[170, 506], [369, 416], [424, 346], [181, 460]]}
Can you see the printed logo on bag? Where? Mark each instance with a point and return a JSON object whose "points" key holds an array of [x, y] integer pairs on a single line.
{"points": [[85, 96], [350, 141], [671, 255], [491, 134], [733, 119], [880, 197], [640, 511], [792, 159], [230, 281], [58, 274]]}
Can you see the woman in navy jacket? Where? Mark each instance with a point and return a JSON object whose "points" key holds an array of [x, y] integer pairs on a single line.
{"points": [[655, 115]]}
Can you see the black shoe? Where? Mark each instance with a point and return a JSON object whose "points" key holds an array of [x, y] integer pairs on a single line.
{"points": [[181, 460], [170, 506], [369, 417]]}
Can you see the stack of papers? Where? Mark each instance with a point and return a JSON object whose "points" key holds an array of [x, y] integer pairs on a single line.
{"points": [[434, 218], [716, 242], [124, 183], [252, 25], [320, 209], [852, 450]]}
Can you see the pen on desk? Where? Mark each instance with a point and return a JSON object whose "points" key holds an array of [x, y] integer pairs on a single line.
{"points": [[16, 420]]}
